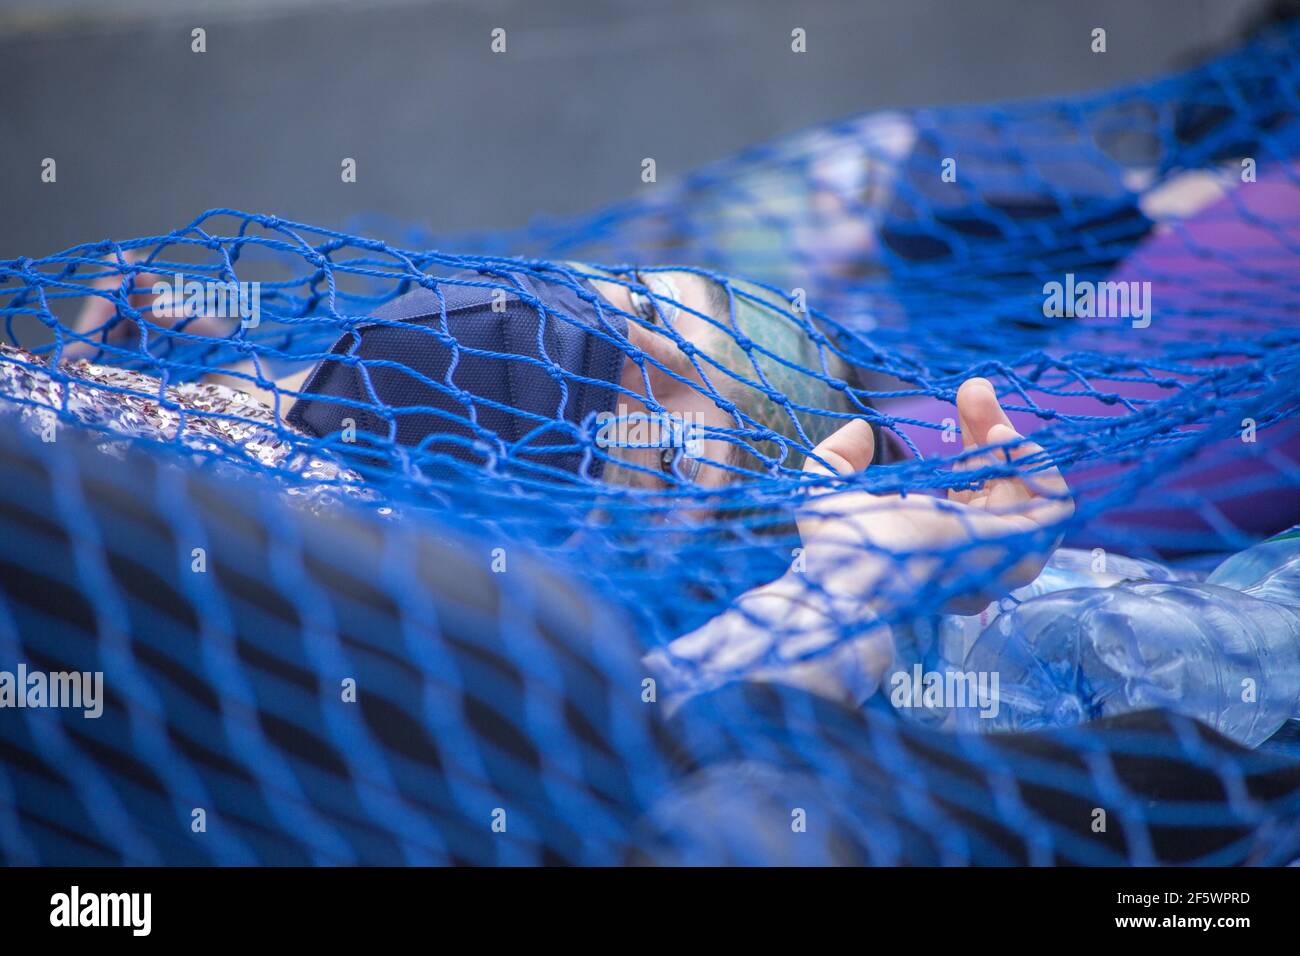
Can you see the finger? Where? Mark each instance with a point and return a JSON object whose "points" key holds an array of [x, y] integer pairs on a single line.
{"points": [[968, 439], [97, 310], [1045, 486], [142, 288], [1045, 479], [978, 410], [1006, 493], [849, 450], [978, 406], [113, 279]]}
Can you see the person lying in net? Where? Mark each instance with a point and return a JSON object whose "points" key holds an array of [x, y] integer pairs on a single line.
{"points": [[754, 386], [690, 362]]}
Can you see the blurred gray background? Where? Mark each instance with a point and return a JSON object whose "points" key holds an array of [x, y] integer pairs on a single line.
{"points": [[148, 134]]}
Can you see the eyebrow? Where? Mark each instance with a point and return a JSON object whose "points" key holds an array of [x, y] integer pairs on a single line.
{"points": [[719, 298]]}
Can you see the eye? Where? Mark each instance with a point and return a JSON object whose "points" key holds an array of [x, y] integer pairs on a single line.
{"points": [[674, 461], [660, 302]]}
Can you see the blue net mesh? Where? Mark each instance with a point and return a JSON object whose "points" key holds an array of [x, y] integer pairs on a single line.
{"points": [[419, 633]]}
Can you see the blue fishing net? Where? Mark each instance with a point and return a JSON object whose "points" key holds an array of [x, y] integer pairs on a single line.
{"points": [[348, 646]]}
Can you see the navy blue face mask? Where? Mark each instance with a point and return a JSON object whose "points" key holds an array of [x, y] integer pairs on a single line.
{"points": [[502, 370]]}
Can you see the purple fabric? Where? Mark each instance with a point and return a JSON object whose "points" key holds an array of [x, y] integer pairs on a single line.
{"points": [[1197, 268]]}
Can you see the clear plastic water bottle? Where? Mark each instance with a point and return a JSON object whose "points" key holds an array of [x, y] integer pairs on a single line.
{"points": [[1270, 570], [1226, 651], [939, 644]]}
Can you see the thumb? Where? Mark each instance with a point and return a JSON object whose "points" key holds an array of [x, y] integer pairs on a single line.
{"points": [[848, 451]]}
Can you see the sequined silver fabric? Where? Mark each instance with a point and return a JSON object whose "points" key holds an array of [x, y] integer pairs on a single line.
{"points": [[199, 416]]}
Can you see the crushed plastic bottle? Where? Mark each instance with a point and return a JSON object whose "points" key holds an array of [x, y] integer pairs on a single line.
{"points": [[1270, 570], [939, 644], [1226, 651]]}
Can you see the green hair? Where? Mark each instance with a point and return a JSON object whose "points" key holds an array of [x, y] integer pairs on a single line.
{"points": [[800, 368], [795, 362]]}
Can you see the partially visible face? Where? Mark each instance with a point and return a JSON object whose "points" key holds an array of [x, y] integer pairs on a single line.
{"points": [[691, 401], [691, 393]]}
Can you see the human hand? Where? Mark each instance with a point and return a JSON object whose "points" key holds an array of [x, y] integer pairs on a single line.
{"points": [[98, 318], [883, 548]]}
